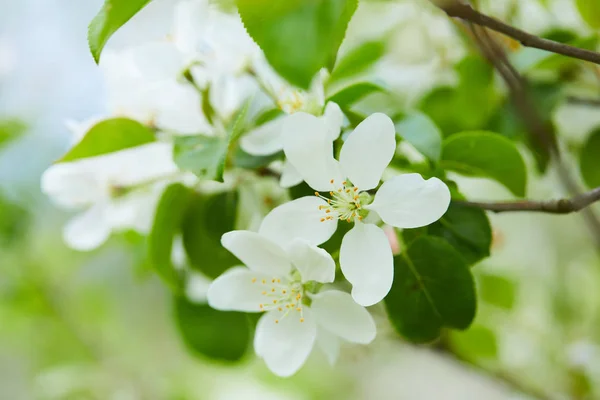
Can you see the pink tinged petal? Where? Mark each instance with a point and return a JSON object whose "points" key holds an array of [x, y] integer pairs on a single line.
{"points": [[265, 139], [337, 312], [300, 218], [368, 151], [257, 252], [308, 146], [289, 176], [329, 344], [334, 119], [314, 264], [238, 289], [409, 201], [87, 230], [286, 344], [367, 263]]}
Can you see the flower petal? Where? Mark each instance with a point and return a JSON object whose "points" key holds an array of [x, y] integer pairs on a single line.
{"points": [[237, 289], [87, 230], [367, 263], [314, 264], [368, 151], [285, 344], [257, 252], [334, 119], [329, 344], [300, 218], [266, 139], [409, 201], [307, 145], [71, 185], [337, 312], [289, 176]]}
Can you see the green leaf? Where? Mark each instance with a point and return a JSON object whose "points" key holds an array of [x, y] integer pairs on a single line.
{"points": [[590, 12], [110, 18], [109, 136], [167, 222], [467, 229], [299, 37], [589, 160], [206, 332], [205, 221], [488, 155], [358, 60], [497, 290], [433, 288], [353, 93], [420, 131], [11, 129], [476, 343], [203, 155]]}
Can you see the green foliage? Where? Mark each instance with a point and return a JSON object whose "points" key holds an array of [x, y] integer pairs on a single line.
{"points": [[590, 12], [109, 136], [358, 60], [11, 129], [298, 37], [110, 18], [497, 290], [353, 93], [206, 332], [467, 229], [420, 131], [203, 155], [488, 155], [467, 106], [433, 288], [476, 343], [589, 160], [167, 221], [206, 219]]}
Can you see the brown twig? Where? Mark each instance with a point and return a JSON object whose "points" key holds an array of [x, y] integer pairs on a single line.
{"points": [[560, 206], [583, 101], [464, 11]]}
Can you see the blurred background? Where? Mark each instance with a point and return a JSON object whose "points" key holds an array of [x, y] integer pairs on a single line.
{"points": [[98, 325]]}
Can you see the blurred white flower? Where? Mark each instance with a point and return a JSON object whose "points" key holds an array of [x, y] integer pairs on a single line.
{"points": [[281, 282], [404, 201], [116, 191]]}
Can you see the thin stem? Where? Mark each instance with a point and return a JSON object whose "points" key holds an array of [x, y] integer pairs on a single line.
{"points": [[465, 12], [560, 206], [583, 101]]}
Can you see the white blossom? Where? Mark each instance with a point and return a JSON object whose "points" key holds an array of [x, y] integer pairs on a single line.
{"points": [[404, 201], [114, 192], [283, 283]]}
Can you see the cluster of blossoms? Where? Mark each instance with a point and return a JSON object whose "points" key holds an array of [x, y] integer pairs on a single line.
{"points": [[204, 61]]}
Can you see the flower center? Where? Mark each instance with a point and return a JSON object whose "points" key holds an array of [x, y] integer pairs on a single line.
{"points": [[346, 203], [283, 296], [291, 102]]}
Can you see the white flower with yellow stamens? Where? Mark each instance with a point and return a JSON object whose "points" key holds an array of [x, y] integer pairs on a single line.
{"points": [[284, 284], [404, 201]]}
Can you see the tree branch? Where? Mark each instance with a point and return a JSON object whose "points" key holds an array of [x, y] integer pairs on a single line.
{"points": [[464, 11], [583, 101], [560, 206]]}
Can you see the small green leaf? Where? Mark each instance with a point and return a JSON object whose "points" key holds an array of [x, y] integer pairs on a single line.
{"points": [[203, 155], [433, 288], [476, 343], [467, 229], [497, 290], [205, 221], [109, 136], [298, 37], [167, 221], [353, 93], [420, 131], [11, 129], [589, 160], [488, 155], [206, 332], [358, 60], [590, 12], [113, 15]]}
